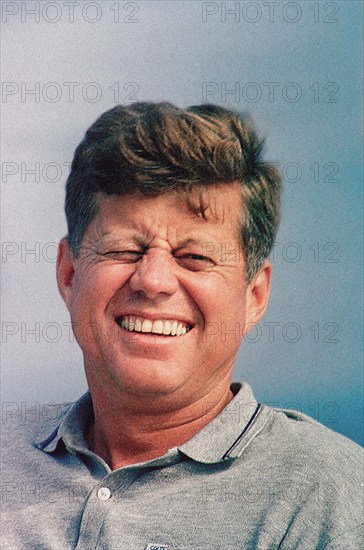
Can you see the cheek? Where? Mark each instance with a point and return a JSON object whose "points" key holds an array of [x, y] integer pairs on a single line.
{"points": [[219, 299], [98, 285]]}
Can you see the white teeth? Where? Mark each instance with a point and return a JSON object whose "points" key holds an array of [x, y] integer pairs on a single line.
{"points": [[147, 325], [167, 327], [157, 327]]}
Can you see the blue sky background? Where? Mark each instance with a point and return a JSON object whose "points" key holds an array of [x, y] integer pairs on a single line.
{"points": [[308, 55]]}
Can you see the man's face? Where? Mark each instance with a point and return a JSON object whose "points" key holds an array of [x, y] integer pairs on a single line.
{"points": [[158, 296]]}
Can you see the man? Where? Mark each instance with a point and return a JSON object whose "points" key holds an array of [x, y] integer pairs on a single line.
{"points": [[171, 217]]}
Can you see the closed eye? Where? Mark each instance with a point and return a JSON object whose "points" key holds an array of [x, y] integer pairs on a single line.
{"points": [[126, 256], [195, 262]]}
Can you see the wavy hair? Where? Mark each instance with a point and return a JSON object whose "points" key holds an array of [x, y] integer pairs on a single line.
{"points": [[154, 148]]}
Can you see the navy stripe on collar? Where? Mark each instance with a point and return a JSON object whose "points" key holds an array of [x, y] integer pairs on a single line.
{"points": [[241, 435]]}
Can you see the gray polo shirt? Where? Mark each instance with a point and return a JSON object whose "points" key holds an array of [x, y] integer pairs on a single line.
{"points": [[253, 478]]}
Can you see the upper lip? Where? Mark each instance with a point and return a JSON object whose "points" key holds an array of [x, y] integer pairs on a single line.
{"points": [[157, 317]]}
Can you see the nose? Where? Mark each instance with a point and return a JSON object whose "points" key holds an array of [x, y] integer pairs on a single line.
{"points": [[155, 274]]}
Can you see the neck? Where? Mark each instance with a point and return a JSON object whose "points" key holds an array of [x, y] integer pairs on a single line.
{"points": [[124, 435]]}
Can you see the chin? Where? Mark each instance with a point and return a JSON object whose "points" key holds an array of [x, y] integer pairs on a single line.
{"points": [[148, 377]]}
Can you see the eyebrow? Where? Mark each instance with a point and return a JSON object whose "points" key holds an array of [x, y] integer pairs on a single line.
{"points": [[191, 241], [142, 238], [124, 236]]}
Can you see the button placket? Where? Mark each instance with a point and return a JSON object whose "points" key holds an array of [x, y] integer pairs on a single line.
{"points": [[100, 502]]}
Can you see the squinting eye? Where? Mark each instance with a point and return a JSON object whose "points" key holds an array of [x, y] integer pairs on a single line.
{"points": [[199, 257], [128, 256], [195, 262]]}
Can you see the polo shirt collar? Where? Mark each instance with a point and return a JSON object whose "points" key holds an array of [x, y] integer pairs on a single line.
{"points": [[225, 437], [231, 431], [71, 429]]}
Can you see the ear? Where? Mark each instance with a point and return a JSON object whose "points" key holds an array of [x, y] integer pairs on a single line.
{"points": [[258, 295], [65, 271]]}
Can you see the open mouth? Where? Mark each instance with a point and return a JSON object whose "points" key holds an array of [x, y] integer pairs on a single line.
{"points": [[162, 327]]}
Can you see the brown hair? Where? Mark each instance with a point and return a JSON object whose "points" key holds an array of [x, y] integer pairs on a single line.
{"points": [[156, 147]]}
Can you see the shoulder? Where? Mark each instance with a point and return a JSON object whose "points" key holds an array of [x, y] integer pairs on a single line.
{"points": [[306, 480], [321, 474], [305, 450], [300, 437]]}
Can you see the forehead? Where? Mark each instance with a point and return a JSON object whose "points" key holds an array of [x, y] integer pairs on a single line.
{"points": [[213, 210]]}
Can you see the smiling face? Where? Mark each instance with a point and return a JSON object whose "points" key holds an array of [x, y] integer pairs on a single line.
{"points": [[158, 297]]}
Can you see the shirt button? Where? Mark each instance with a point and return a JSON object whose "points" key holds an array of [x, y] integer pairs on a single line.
{"points": [[104, 493]]}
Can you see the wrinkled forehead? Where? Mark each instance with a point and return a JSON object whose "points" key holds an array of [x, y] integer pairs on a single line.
{"points": [[212, 212], [217, 202]]}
